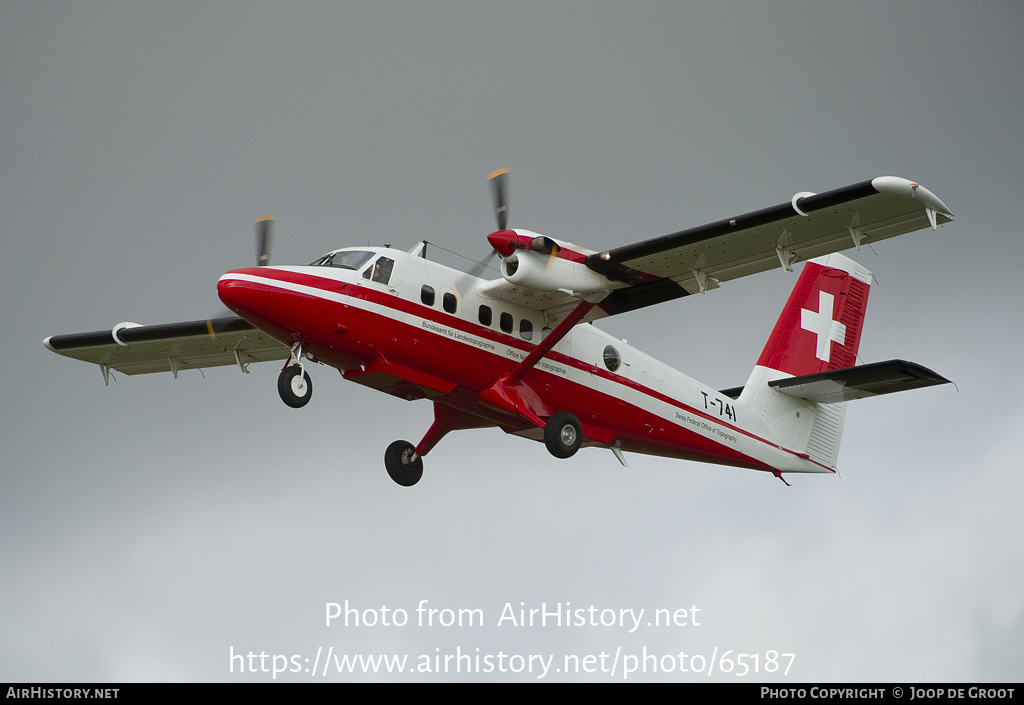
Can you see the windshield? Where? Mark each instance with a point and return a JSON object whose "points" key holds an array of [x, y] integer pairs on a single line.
{"points": [[346, 259]]}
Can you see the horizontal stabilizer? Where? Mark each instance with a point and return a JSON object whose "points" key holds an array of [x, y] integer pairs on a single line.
{"points": [[858, 382]]}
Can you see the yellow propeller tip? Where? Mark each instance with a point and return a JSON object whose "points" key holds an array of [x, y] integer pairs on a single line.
{"points": [[497, 173], [268, 216]]}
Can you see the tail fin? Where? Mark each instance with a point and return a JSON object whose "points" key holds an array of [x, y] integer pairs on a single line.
{"points": [[820, 327], [819, 330]]}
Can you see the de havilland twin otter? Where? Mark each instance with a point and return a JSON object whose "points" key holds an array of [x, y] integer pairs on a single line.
{"points": [[517, 352]]}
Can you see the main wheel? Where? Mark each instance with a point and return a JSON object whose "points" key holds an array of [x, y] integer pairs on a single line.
{"points": [[294, 386], [563, 434], [404, 466]]}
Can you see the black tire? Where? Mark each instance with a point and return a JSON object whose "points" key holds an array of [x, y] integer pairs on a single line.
{"points": [[563, 434], [295, 392], [399, 460]]}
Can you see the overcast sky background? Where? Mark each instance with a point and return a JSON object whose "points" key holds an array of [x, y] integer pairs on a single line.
{"points": [[149, 527]]}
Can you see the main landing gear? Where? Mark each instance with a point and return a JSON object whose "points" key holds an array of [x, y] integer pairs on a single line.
{"points": [[402, 463], [294, 384], [563, 434]]}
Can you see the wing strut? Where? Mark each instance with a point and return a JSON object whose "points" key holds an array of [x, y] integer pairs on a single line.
{"points": [[552, 339], [510, 395]]}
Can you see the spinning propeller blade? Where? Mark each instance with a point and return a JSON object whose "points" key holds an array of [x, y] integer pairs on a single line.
{"points": [[264, 231], [551, 257], [499, 188], [477, 271]]}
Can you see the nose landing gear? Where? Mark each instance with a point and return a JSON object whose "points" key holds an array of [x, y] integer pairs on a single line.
{"points": [[294, 384]]}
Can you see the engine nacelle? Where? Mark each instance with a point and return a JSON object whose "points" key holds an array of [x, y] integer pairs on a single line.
{"points": [[544, 272]]}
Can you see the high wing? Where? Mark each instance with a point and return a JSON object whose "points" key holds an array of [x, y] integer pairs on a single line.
{"points": [[696, 260], [810, 225], [134, 349]]}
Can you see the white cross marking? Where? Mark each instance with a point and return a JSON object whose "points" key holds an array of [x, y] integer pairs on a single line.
{"points": [[822, 325]]}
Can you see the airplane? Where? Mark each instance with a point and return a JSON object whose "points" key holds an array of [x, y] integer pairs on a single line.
{"points": [[519, 352]]}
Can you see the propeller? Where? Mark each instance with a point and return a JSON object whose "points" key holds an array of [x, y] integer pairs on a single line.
{"points": [[480, 268], [476, 271], [264, 232], [499, 189], [224, 319]]}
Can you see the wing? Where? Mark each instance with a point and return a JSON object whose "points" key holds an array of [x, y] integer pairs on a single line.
{"points": [[552, 302], [134, 349], [810, 225]]}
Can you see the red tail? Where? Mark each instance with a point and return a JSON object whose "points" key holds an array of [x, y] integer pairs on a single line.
{"points": [[820, 327]]}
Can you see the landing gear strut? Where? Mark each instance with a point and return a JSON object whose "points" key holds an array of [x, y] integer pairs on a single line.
{"points": [[563, 434], [293, 384], [404, 466]]}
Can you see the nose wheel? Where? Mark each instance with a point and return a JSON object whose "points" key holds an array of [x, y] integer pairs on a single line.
{"points": [[295, 386], [402, 463]]}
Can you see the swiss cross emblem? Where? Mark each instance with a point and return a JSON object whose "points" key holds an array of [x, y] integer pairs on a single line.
{"points": [[823, 326]]}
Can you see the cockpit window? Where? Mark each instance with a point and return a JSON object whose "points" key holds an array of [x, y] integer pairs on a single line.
{"points": [[346, 259], [382, 270]]}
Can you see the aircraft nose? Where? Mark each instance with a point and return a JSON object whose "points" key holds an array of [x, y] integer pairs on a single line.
{"points": [[236, 289]]}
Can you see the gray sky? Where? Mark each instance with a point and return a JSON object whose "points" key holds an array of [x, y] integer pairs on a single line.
{"points": [[150, 527]]}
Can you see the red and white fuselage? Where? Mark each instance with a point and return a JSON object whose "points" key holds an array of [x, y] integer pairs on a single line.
{"points": [[418, 329]]}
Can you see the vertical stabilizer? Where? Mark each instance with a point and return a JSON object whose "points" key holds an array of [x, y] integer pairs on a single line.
{"points": [[819, 330], [820, 327]]}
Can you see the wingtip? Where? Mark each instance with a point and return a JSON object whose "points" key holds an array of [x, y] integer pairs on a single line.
{"points": [[905, 188]]}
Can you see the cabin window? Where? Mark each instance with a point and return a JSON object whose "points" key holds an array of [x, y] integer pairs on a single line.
{"points": [[484, 315], [611, 358], [449, 302], [427, 295], [526, 329], [544, 332], [505, 321]]}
